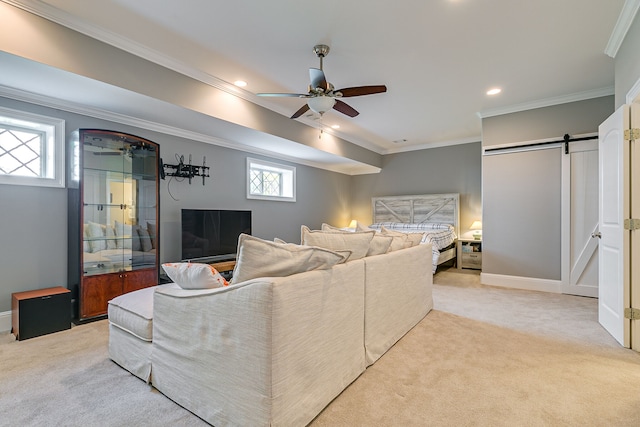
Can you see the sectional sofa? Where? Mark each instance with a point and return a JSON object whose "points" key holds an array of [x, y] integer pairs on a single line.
{"points": [[273, 348]]}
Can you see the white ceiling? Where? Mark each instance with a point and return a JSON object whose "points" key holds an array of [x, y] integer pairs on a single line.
{"points": [[436, 57]]}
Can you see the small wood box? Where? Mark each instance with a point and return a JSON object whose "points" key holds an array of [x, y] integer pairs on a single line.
{"points": [[40, 312]]}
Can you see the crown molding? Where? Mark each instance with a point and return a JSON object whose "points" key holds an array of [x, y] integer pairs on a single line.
{"points": [[625, 19], [428, 145], [548, 102]]}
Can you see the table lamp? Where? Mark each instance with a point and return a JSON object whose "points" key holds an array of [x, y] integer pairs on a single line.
{"points": [[477, 230]]}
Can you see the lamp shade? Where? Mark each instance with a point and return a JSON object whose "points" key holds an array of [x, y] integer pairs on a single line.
{"points": [[353, 224], [477, 225], [321, 104]]}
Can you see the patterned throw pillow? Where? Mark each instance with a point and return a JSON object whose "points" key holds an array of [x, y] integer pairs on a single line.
{"points": [[190, 275]]}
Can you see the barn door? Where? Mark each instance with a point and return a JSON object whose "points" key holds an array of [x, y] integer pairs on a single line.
{"points": [[634, 233], [580, 219], [614, 208]]}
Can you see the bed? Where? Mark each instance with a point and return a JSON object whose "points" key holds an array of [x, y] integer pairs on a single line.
{"points": [[435, 215]]}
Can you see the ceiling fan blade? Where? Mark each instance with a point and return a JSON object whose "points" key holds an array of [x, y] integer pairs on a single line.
{"points": [[362, 90], [296, 95], [318, 79], [301, 111], [345, 109]]}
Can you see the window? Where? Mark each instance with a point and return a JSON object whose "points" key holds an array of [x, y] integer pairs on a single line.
{"points": [[31, 149], [270, 181]]}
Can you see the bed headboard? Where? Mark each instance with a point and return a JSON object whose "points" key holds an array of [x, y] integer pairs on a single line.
{"points": [[441, 208]]}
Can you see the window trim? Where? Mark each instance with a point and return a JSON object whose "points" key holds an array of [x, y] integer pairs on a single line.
{"points": [[284, 168], [54, 130]]}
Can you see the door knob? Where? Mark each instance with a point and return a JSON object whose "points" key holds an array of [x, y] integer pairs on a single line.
{"points": [[596, 234]]}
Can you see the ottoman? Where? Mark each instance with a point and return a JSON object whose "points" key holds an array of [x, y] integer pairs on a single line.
{"points": [[131, 329]]}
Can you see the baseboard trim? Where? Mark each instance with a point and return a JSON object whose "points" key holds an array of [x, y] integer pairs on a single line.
{"points": [[5, 321], [517, 282]]}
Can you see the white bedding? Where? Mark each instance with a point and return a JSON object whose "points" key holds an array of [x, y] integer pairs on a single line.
{"points": [[439, 235]]}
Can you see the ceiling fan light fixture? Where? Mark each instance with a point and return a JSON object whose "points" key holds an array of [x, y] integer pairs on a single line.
{"points": [[321, 104]]}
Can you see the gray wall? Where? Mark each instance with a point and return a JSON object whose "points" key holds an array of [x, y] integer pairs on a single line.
{"points": [[454, 169], [521, 192], [627, 62], [33, 220]]}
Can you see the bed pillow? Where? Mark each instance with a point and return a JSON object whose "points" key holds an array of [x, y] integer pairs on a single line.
{"points": [[413, 239], [261, 258], [379, 244], [356, 242], [189, 275]]}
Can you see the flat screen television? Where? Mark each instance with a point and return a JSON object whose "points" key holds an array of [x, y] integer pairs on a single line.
{"points": [[212, 235]]}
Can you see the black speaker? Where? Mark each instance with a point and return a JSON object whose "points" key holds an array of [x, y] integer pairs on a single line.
{"points": [[40, 312]]}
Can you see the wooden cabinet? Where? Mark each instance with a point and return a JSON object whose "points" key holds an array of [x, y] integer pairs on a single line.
{"points": [[113, 217]]}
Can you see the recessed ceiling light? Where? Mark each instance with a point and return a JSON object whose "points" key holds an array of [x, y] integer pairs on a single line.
{"points": [[335, 126], [494, 91], [240, 83]]}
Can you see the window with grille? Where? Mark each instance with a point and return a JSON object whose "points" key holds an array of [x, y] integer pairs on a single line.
{"points": [[31, 149], [270, 181]]}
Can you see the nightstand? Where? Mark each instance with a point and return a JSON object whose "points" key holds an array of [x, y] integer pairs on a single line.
{"points": [[470, 254]]}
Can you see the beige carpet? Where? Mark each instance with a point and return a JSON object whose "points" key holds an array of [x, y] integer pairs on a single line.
{"points": [[485, 356]]}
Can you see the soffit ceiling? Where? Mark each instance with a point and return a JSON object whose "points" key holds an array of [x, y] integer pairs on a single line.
{"points": [[437, 58]]}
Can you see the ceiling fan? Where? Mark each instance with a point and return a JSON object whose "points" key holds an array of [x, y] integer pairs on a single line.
{"points": [[322, 95]]}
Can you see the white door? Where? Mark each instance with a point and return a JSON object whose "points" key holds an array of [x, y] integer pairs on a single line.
{"points": [[634, 236], [614, 208], [580, 219]]}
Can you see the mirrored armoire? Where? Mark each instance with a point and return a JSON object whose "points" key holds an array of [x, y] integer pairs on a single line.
{"points": [[113, 210]]}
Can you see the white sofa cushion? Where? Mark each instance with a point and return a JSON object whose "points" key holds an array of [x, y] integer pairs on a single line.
{"points": [[356, 242], [261, 258], [133, 311]]}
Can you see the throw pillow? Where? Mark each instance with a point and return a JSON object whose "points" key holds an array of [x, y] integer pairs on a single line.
{"points": [[97, 241], [145, 240], [151, 228], [189, 275], [86, 247], [262, 258], [356, 242], [360, 227], [379, 244], [127, 239], [413, 239], [327, 227], [110, 232]]}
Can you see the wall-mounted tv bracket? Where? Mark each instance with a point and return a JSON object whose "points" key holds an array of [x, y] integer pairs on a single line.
{"points": [[183, 170]]}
